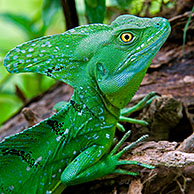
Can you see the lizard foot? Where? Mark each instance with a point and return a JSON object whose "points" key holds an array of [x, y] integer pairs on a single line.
{"points": [[117, 162]]}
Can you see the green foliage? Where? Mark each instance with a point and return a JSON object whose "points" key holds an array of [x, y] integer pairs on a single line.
{"points": [[124, 4], [49, 9], [186, 27], [9, 105], [95, 10], [29, 84], [24, 23], [140, 7]]}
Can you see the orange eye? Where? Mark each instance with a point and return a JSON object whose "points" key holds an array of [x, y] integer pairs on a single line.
{"points": [[126, 37]]}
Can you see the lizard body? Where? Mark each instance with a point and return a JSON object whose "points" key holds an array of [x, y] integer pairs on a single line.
{"points": [[105, 64]]}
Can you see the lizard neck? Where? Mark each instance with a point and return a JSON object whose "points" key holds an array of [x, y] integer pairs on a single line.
{"points": [[91, 97]]}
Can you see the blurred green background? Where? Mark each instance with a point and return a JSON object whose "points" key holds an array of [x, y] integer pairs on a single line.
{"points": [[21, 21]]}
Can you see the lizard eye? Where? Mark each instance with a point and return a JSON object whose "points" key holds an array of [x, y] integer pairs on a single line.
{"points": [[126, 37]]}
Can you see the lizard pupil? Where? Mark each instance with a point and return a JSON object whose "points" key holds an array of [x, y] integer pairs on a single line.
{"points": [[127, 37]]}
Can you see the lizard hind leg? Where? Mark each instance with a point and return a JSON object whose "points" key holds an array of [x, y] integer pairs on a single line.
{"points": [[106, 165]]}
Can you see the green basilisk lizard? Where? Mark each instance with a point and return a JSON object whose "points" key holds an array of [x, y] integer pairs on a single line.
{"points": [[105, 65]]}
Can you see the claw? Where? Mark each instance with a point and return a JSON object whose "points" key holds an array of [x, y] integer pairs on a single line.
{"points": [[120, 127]]}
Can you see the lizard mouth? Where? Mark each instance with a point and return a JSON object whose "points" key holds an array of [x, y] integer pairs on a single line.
{"points": [[144, 53]]}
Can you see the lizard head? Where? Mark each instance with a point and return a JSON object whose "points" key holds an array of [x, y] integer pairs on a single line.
{"points": [[125, 54]]}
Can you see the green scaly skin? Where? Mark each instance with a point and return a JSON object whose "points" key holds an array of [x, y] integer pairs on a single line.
{"points": [[73, 146]]}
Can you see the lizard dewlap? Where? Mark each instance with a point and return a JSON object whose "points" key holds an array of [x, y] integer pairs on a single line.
{"points": [[105, 65]]}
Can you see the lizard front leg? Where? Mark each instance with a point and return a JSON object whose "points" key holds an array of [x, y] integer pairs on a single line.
{"points": [[140, 105]]}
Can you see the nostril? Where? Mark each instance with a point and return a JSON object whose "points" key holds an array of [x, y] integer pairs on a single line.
{"points": [[157, 25]]}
